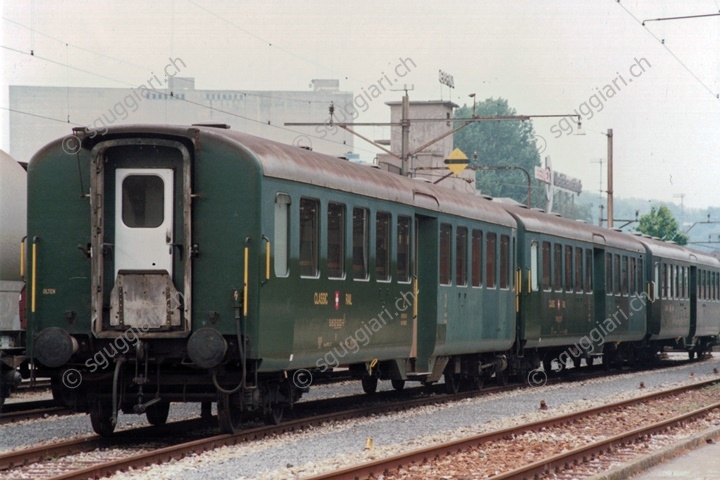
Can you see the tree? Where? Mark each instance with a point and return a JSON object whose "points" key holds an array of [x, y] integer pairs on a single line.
{"points": [[501, 143], [661, 223]]}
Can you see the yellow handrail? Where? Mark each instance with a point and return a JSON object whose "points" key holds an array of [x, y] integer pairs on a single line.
{"points": [[34, 275], [22, 258], [267, 260]]}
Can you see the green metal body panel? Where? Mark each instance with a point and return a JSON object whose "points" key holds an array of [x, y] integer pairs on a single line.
{"points": [[58, 223], [477, 319], [322, 322]]}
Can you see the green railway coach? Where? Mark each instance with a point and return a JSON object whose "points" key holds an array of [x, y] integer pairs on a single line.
{"points": [[685, 289], [199, 264], [583, 293]]}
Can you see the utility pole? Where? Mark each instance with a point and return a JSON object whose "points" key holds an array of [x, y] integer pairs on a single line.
{"points": [[405, 124], [610, 178]]}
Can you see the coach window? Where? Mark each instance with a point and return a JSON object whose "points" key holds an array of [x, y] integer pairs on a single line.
{"points": [[445, 253], [713, 286], [533, 266], [361, 243], [588, 270], [664, 281], [309, 237], [143, 204], [546, 265], [476, 260], [624, 275], [282, 229], [568, 268], [578, 269], [557, 270], [632, 287], [490, 259], [616, 274], [676, 281], [336, 240], [608, 274], [382, 246], [640, 276], [403, 249], [504, 261], [461, 245]]}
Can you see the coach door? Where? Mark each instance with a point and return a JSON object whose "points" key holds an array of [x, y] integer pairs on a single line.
{"points": [[141, 253], [144, 220], [600, 292], [426, 288]]}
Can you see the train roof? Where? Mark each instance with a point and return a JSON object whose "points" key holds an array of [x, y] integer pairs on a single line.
{"points": [[296, 164], [673, 251], [540, 222]]}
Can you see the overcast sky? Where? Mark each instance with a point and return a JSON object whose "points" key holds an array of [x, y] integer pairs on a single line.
{"points": [[551, 57]]}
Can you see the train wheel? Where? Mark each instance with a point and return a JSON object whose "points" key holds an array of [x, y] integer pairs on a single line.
{"points": [[452, 383], [398, 384], [478, 382], [502, 377], [274, 414], [691, 355], [101, 417], [577, 361], [589, 361], [157, 414], [229, 417], [369, 383]]}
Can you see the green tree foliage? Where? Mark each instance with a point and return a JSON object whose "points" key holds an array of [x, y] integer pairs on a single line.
{"points": [[501, 143], [661, 223]]}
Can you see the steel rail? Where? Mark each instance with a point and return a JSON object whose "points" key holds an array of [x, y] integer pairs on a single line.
{"points": [[580, 455], [24, 457], [428, 454]]}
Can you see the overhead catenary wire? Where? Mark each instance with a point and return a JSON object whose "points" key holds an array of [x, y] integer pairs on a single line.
{"points": [[664, 44]]}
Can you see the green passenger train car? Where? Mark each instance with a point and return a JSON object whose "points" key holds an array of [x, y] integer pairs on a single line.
{"points": [[200, 264], [686, 296], [197, 264], [584, 286]]}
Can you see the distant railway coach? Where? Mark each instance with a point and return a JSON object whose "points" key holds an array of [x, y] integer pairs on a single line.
{"points": [[584, 287], [686, 296], [197, 264]]}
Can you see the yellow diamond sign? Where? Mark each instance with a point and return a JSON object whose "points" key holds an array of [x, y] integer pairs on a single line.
{"points": [[457, 161]]}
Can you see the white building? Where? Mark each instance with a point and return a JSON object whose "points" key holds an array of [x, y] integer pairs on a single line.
{"points": [[261, 113]]}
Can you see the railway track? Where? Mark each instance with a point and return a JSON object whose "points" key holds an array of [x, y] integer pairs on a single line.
{"points": [[65, 460], [18, 411], [570, 462]]}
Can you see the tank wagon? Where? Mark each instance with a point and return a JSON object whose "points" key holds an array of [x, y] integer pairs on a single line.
{"points": [[198, 264], [13, 202]]}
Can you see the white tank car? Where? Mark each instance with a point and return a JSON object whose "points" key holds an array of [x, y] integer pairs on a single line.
{"points": [[13, 208]]}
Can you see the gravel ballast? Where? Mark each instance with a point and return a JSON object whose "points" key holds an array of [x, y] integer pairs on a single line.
{"points": [[338, 445]]}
